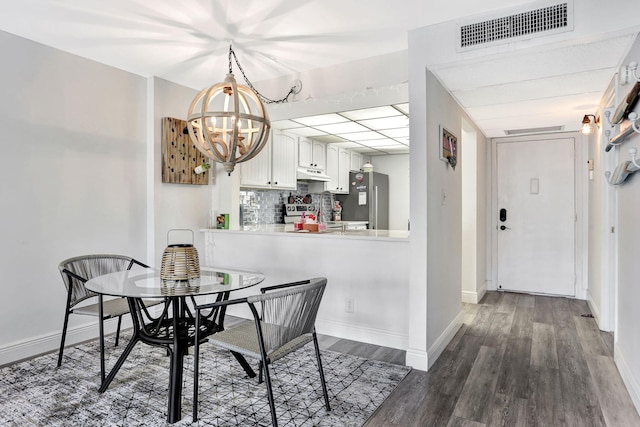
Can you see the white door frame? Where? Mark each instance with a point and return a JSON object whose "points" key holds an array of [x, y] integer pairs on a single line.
{"points": [[581, 176]]}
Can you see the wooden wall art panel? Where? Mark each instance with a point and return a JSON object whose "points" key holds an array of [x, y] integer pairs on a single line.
{"points": [[179, 155]]}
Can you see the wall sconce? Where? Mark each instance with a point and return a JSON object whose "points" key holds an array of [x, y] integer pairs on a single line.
{"points": [[587, 128]]}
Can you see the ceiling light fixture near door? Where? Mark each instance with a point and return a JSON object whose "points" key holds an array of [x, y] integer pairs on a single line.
{"points": [[587, 127], [228, 122]]}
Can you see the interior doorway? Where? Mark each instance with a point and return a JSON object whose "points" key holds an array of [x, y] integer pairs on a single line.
{"points": [[536, 216]]}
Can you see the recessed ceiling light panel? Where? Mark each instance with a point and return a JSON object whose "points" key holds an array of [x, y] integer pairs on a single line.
{"points": [[396, 133], [386, 123], [322, 119], [362, 136], [371, 113], [340, 128]]}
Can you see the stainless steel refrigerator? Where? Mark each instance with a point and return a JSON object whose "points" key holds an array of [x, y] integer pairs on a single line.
{"points": [[368, 199]]}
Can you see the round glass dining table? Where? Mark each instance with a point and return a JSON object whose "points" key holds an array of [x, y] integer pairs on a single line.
{"points": [[174, 328]]}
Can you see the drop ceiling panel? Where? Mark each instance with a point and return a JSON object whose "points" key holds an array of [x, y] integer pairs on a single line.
{"points": [[323, 119], [386, 123], [330, 138], [396, 133], [349, 145], [362, 136], [573, 104], [371, 113], [403, 107], [306, 131], [531, 65], [544, 88], [340, 128], [285, 124]]}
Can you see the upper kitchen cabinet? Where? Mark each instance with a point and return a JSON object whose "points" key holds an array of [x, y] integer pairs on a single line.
{"points": [[338, 166], [356, 161], [274, 167], [311, 154]]}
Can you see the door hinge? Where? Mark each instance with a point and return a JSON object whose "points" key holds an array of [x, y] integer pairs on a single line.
{"points": [[613, 229]]}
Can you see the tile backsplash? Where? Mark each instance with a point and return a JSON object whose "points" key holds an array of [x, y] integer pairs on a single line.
{"points": [[260, 206]]}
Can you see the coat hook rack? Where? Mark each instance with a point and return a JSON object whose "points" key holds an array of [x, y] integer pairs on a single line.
{"points": [[633, 68], [624, 169], [633, 118], [633, 152]]}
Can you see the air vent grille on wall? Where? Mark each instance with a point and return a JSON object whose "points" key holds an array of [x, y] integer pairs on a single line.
{"points": [[555, 18]]}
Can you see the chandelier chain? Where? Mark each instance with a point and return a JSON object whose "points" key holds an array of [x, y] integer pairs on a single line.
{"points": [[246, 79]]}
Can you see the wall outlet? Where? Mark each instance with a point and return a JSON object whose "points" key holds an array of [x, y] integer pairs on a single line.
{"points": [[349, 305]]}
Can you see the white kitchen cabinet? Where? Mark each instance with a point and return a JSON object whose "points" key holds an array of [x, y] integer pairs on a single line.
{"points": [[338, 166], [283, 161], [356, 161], [274, 167], [311, 154]]}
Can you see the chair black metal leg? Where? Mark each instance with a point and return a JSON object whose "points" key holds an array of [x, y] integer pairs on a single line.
{"points": [[260, 367], [272, 405], [64, 336], [118, 330], [196, 367], [101, 326], [321, 371]]}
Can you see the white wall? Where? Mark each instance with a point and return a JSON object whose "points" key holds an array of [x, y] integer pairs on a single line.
{"points": [[73, 182], [468, 159], [174, 205], [397, 167], [627, 333], [436, 221]]}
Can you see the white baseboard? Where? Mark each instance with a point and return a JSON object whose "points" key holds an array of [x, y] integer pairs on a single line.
{"points": [[362, 334], [627, 376], [48, 343], [474, 297], [595, 310], [417, 359], [443, 340]]}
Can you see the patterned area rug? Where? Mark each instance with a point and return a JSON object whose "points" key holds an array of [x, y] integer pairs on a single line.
{"points": [[37, 393]]}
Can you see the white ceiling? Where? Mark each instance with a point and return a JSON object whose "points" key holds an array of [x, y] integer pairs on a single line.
{"points": [[187, 42]]}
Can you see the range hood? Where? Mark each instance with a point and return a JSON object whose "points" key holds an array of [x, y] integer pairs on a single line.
{"points": [[310, 174]]}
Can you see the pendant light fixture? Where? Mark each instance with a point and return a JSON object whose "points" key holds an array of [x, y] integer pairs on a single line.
{"points": [[228, 122]]}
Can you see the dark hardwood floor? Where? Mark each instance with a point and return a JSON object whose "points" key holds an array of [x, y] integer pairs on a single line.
{"points": [[518, 360]]}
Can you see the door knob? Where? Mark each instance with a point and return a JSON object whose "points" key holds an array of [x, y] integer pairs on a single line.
{"points": [[504, 227]]}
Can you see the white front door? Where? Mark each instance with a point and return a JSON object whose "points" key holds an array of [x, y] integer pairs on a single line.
{"points": [[536, 216]]}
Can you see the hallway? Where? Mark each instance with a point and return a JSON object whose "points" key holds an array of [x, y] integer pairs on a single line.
{"points": [[518, 360]]}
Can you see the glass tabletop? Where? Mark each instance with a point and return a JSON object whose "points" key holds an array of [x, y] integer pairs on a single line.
{"points": [[146, 283]]}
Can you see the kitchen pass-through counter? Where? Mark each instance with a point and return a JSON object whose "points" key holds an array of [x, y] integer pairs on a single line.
{"points": [[332, 233], [367, 292]]}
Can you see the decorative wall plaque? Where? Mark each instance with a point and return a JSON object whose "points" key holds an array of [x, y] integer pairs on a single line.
{"points": [[179, 155]]}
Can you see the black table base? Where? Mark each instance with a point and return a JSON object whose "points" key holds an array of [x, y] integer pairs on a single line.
{"points": [[174, 330]]}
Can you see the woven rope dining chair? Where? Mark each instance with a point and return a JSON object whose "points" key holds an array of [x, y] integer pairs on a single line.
{"points": [[79, 270], [285, 323]]}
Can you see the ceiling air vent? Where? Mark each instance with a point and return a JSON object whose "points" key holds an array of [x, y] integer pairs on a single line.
{"points": [[533, 130], [527, 24]]}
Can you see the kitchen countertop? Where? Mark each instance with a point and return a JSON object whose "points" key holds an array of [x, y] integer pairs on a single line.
{"points": [[279, 229]]}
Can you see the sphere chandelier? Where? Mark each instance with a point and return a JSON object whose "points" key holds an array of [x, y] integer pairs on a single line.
{"points": [[228, 122]]}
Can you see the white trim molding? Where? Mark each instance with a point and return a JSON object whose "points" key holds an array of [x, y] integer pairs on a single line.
{"points": [[417, 359], [627, 376], [474, 297], [363, 334], [48, 343], [444, 339]]}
